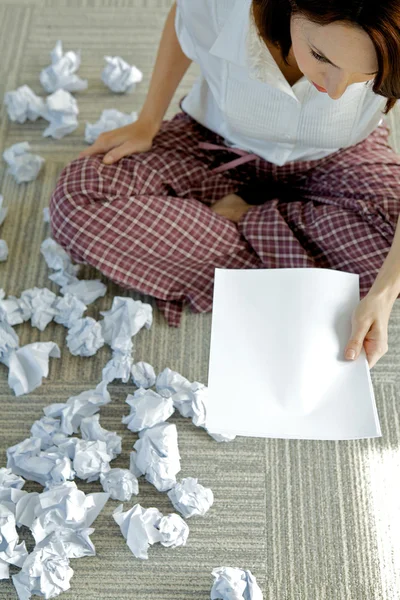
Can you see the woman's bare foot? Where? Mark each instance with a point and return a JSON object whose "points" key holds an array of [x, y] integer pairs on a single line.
{"points": [[231, 207]]}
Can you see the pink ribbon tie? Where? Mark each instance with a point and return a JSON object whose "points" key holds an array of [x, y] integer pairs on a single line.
{"points": [[244, 156]]}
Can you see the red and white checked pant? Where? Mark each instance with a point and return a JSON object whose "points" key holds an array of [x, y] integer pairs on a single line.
{"points": [[145, 222]]}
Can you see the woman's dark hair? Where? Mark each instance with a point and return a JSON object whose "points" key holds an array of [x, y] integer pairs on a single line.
{"points": [[380, 19]]}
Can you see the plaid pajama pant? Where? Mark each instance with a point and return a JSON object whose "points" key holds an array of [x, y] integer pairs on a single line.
{"points": [[145, 222]]}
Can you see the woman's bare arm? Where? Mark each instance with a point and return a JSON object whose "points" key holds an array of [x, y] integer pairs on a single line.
{"points": [[170, 66]]}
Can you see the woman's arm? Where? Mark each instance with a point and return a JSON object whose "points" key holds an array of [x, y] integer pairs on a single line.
{"points": [[370, 320], [387, 282], [171, 65]]}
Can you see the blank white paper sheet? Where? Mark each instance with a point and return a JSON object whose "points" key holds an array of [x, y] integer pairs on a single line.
{"points": [[277, 366]]}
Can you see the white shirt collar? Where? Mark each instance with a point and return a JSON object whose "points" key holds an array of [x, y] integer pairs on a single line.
{"points": [[231, 41]]}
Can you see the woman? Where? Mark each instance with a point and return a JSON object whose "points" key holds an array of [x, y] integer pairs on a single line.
{"points": [[279, 158]]}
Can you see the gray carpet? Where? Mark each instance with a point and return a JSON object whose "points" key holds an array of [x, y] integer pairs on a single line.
{"points": [[312, 520]]}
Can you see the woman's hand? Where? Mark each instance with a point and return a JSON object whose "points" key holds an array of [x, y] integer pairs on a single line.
{"points": [[132, 138], [370, 321]]}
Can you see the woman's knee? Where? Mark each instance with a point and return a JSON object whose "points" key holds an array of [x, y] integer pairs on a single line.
{"points": [[77, 187], [79, 183], [82, 184]]}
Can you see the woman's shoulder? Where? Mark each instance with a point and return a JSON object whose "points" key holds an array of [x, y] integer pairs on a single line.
{"points": [[205, 19], [202, 20], [215, 11]]}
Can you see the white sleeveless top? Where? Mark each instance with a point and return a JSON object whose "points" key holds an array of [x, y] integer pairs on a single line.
{"points": [[243, 96]]}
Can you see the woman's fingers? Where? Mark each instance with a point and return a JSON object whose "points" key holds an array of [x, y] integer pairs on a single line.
{"points": [[103, 143], [87, 152], [95, 148], [121, 142], [119, 152]]}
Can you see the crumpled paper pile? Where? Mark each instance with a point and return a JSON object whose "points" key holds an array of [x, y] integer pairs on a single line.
{"points": [[60, 517], [110, 119], [11, 551], [190, 399], [121, 484], [120, 324], [144, 527], [60, 108], [60, 520], [156, 455], [119, 76], [22, 164], [234, 584], [147, 409], [27, 365], [190, 498], [23, 104], [61, 74]]}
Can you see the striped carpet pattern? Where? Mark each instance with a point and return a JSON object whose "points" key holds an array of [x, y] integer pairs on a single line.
{"points": [[312, 520]]}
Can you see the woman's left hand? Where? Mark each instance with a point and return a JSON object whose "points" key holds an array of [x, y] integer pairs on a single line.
{"points": [[370, 321]]}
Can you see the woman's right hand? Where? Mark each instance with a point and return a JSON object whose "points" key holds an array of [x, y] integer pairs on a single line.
{"points": [[130, 139]]}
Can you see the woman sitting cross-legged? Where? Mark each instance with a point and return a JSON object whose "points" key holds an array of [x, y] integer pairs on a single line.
{"points": [[279, 158]]}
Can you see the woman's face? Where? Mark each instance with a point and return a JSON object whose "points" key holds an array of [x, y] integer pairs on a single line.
{"points": [[332, 56]]}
